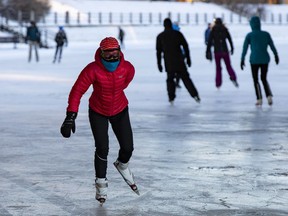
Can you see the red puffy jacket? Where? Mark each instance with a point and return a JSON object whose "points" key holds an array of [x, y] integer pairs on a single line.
{"points": [[108, 97]]}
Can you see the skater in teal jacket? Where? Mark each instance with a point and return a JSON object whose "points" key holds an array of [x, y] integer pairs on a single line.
{"points": [[259, 58]]}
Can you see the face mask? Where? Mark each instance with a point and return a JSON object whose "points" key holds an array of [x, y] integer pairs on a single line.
{"points": [[110, 66]]}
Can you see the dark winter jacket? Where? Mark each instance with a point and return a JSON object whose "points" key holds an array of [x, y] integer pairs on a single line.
{"points": [[121, 34], [206, 35], [170, 43], [61, 38], [218, 36], [259, 41], [33, 34], [108, 97]]}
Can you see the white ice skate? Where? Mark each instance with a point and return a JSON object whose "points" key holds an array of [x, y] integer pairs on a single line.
{"points": [[259, 102], [101, 185], [270, 101], [127, 175]]}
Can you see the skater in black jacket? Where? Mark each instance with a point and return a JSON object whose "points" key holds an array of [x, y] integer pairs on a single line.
{"points": [[217, 38], [60, 39], [33, 38], [169, 42]]}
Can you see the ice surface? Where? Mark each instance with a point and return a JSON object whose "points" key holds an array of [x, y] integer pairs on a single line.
{"points": [[221, 157]]}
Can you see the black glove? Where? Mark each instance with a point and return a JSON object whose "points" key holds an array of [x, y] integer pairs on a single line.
{"points": [[160, 68], [277, 59], [232, 51], [209, 55], [188, 60], [68, 124], [242, 65]]}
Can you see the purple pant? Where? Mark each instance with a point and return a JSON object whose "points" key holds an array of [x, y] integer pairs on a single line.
{"points": [[225, 56]]}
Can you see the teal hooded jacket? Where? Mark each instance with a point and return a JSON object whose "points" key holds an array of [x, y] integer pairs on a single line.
{"points": [[259, 41]]}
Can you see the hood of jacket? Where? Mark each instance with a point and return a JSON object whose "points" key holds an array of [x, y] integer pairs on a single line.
{"points": [[255, 23]]}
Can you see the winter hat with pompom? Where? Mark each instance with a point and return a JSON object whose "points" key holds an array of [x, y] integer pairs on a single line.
{"points": [[109, 43]]}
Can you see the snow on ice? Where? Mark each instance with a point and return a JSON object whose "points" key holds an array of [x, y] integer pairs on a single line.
{"points": [[223, 156]]}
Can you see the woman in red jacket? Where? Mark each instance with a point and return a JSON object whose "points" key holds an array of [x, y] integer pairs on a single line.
{"points": [[109, 74]]}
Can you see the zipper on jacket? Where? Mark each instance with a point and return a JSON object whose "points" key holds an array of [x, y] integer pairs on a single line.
{"points": [[113, 95]]}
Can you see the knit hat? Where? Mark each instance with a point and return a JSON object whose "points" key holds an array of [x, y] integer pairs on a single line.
{"points": [[109, 43]]}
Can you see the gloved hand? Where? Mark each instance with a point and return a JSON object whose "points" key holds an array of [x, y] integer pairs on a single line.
{"points": [[232, 51], [277, 59], [188, 61], [160, 68], [242, 65], [68, 124], [209, 55]]}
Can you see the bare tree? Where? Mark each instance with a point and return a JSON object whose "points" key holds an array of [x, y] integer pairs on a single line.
{"points": [[35, 9]]}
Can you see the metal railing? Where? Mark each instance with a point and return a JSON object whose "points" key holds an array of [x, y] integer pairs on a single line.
{"points": [[140, 19]]}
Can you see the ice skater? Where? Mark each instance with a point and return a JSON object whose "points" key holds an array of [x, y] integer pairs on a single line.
{"points": [[207, 33], [33, 37], [217, 38], [109, 74], [121, 35], [60, 39], [169, 42], [259, 58]]}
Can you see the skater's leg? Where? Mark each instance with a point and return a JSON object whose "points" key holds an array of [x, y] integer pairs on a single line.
{"points": [[188, 83], [99, 126], [218, 78], [122, 128], [60, 53], [30, 51], [56, 52], [255, 69], [267, 89], [264, 72], [171, 87], [36, 51], [229, 68]]}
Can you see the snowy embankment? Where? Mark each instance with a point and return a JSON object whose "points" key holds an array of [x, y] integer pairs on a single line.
{"points": [[145, 36]]}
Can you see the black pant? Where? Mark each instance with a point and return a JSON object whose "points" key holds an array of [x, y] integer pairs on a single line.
{"points": [[264, 70], [122, 128], [59, 49], [187, 81]]}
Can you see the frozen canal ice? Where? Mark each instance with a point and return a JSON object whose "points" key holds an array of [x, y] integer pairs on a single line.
{"points": [[221, 157]]}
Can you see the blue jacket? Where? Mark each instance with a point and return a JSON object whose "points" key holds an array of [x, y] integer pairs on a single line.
{"points": [[206, 35], [259, 41], [33, 34]]}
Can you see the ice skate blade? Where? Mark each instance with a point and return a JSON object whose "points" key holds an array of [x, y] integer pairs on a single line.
{"points": [[132, 186], [135, 189]]}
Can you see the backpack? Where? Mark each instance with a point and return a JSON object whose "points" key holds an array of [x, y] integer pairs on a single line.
{"points": [[60, 38], [33, 34]]}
